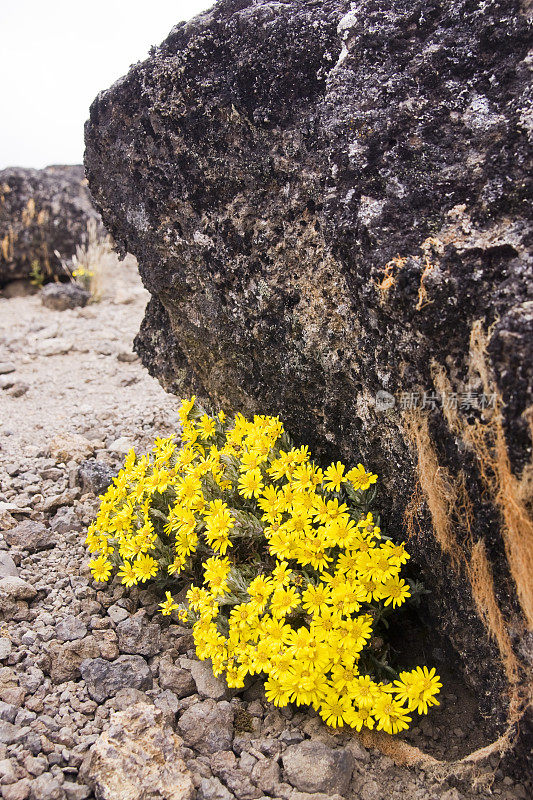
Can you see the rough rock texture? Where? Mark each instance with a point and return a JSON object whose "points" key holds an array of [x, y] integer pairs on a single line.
{"points": [[41, 211], [137, 635], [207, 726], [328, 201], [139, 758], [31, 536], [95, 476], [315, 767], [105, 678]]}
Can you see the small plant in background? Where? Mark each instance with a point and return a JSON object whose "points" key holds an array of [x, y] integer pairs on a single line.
{"points": [[83, 276], [36, 274], [93, 261], [288, 571]]}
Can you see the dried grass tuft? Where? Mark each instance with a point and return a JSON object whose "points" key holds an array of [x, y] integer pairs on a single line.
{"points": [[6, 245], [96, 259], [412, 511]]}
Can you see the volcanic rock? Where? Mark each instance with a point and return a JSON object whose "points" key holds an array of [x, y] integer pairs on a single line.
{"points": [[315, 767], [139, 756], [105, 678], [31, 536], [95, 476], [207, 726]]}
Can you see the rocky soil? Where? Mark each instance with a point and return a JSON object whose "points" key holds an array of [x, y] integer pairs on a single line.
{"points": [[99, 695]]}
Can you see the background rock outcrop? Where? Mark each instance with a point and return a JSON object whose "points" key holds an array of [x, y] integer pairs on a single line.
{"points": [[328, 202], [42, 212]]}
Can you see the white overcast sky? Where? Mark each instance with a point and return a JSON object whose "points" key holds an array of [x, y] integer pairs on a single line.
{"points": [[56, 55]]}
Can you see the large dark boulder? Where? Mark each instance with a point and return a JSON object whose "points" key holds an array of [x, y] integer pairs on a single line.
{"points": [[329, 205], [43, 212]]}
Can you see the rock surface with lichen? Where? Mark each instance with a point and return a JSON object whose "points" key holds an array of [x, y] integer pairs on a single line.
{"points": [[43, 218], [328, 202]]}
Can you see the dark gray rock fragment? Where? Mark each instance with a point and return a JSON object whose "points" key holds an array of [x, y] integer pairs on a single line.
{"points": [[31, 536], [60, 296], [95, 476], [105, 678], [139, 636]]}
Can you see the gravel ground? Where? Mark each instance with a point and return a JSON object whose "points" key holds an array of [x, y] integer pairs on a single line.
{"points": [[88, 675]]}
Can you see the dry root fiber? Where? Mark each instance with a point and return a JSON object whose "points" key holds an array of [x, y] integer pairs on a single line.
{"points": [[468, 767], [450, 506], [512, 495], [482, 583], [436, 484]]}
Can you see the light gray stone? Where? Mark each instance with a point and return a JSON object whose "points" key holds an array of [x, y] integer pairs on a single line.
{"points": [[65, 521], [207, 684], [117, 613], [70, 628], [8, 711], [126, 698], [5, 647], [17, 791], [9, 733], [213, 789], [314, 767], [54, 347], [296, 795], [7, 772], [75, 791], [47, 787], [168, 702], [7, 381], [266, 775], [8, 568], [121, 446], [207, 726], [138, 636], [371, 790], [226, 767], [16, 588], [138, 756]]}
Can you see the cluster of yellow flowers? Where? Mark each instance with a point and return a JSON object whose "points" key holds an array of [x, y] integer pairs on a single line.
{"points": [[293, 571], [83, 276]]}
